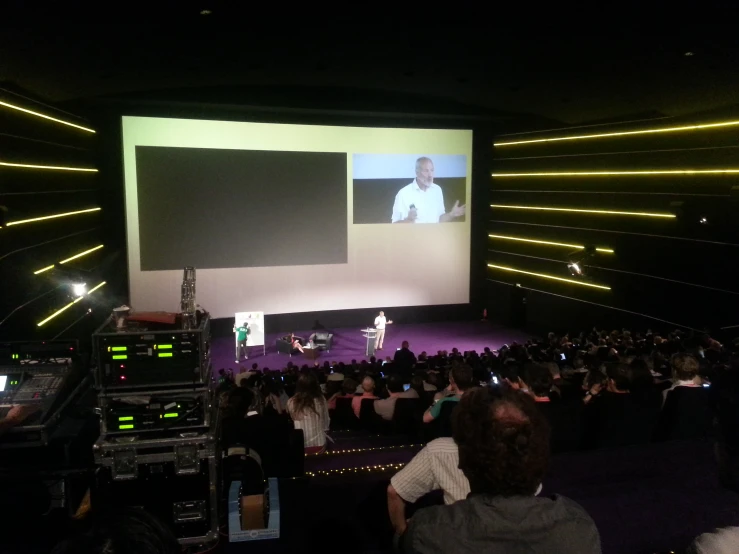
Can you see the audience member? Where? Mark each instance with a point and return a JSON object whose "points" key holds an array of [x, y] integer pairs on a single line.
{"points": [[368, 391], [460, 380], [504, 453], [309, 412]]}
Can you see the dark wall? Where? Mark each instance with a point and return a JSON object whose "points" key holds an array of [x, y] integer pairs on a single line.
{"points": [[33, 192], [680, 270]]}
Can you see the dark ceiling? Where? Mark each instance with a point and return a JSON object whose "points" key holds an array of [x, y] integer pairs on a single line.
{"points": [[559, 73]]}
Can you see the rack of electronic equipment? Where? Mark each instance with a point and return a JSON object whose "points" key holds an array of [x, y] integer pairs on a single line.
{"points": [[159, 423]]}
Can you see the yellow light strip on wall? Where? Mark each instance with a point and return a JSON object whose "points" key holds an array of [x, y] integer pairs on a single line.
{"points": [[623, 133], [44, 116], [72, 303], [607, 212], [56, 313], [596, 173], [89, 292], [545, 276], [61, 168], [81, 254], [47, 268], [548, 243], [21, 221]]}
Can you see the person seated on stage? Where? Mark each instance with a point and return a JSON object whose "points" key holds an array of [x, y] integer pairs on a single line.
{"points": [[368, 391], [294, 342]]}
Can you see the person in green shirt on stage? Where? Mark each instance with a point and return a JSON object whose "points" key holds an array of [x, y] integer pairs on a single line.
{"points": [[242, 332]]}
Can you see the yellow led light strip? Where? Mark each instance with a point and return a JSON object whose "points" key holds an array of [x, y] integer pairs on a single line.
{"points": [[47, 268], [21, 221], [81, 254], [545, 276], [623, 133], [37, 114], [61, 168], [591, 173], [72, 303], [608, 212], [548, 243]]}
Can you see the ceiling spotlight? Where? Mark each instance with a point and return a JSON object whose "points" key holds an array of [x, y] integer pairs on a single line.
{"points": [[205, 12], [575, 269], [577, 260], [79, 289], [689, 54], [703, 221]]}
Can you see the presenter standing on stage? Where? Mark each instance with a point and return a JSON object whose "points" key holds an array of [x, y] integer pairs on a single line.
{"points": [[242, 333], [380, 322]]}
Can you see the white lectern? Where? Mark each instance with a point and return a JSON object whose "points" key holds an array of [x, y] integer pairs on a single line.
{"points": [[369, 333]]}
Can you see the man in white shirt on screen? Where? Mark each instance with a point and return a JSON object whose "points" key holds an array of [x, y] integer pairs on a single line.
{"points": [[422, 201], [380, 322]]}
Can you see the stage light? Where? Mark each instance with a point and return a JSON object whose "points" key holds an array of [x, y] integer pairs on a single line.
{"points": [[575, 269], [578, 210], [54, 216], [545, 276], [601, 173], [44, 116], [79, 289], [624, 133], [57, 167], [548, 243], [81, 254], [72, 303]]}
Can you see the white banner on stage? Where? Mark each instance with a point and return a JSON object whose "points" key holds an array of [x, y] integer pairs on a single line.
{"points": [[255, 320]]}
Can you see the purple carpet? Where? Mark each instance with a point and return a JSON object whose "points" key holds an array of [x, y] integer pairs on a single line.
{"points": [[349, 344]]}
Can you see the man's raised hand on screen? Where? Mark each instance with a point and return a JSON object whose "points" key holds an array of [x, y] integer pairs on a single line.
{"points": [[457, 210]]}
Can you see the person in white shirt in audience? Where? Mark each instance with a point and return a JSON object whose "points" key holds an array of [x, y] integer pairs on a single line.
{"points": [[422, 201]]}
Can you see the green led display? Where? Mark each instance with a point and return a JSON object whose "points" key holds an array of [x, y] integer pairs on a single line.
{"points": [[125, 427], [165, 354], [164, 346], [173, 414], [119, 348], [120, 357], [125, 418]]}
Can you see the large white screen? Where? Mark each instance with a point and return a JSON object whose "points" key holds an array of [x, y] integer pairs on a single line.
{"points": [[202, 193]]}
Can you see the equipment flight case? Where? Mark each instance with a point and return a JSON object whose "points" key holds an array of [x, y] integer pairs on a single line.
{"points": [[175, 477]]}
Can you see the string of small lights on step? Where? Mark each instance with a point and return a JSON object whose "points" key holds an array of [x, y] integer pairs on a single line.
{"points": [[369, 449], [353, 470]]}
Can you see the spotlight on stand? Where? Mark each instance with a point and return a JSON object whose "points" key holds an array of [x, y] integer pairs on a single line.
{"points": [[79, 289]]}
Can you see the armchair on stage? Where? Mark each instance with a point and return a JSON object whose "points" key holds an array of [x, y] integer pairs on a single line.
{"points": [[322, 340], [284, 346]]}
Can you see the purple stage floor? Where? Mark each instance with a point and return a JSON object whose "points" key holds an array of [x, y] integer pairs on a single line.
{"points": [[349, 344]]}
